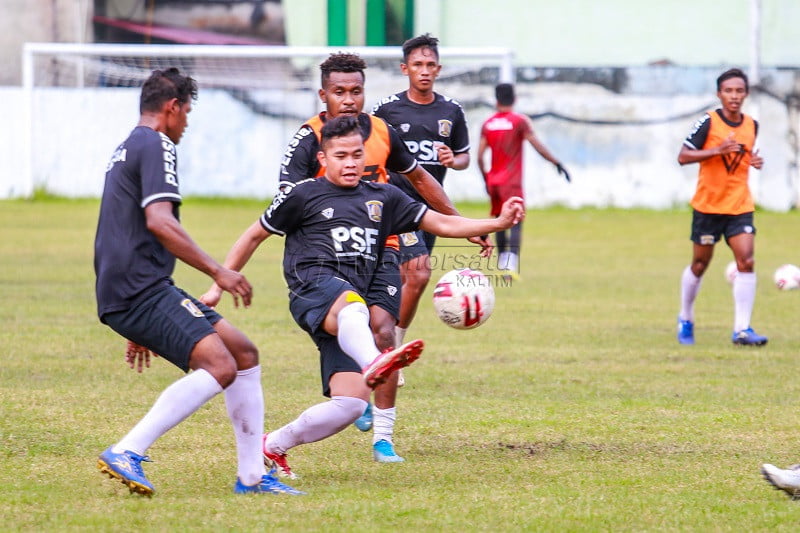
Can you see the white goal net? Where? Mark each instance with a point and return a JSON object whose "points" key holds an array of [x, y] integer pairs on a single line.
{"points": [[82, 100]]}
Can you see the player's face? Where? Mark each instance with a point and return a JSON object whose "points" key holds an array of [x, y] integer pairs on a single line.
{"points": [[422, 68], [177, 120], [731, 94], [343, 94], [343, 158]]}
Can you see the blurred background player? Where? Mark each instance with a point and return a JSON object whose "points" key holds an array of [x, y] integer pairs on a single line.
{"points": [[722, 143], [434, 129], [139, 237], [504, 134], [342, 92], [329, 261]]}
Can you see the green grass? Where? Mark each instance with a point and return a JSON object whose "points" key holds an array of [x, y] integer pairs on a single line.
{"points": [[572, 409]]}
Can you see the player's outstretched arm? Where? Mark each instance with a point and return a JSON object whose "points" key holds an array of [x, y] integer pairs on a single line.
{"points": [[512, 213], [238, 256], [168, 230], [689, 155]]}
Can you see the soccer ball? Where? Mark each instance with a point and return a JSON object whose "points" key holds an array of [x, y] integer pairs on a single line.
{"points": [[787, 277], [464, 299], [730, 271]]}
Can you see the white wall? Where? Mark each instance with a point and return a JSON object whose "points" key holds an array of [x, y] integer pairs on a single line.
{"points": [[229, 151]]}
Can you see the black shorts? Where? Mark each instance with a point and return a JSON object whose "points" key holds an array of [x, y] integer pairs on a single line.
{"points": [[415, 244], [708, 229], [384, 290], [168, 322], [309, 307]]}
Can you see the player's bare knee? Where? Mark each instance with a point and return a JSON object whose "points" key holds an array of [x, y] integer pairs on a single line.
{"points": [[384, 335]]}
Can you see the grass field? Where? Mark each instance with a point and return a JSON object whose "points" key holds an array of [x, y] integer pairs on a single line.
{"points": [[572, 409]]}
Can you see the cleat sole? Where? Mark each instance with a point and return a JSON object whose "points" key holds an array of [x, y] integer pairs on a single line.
{"points": [[410, 353]]}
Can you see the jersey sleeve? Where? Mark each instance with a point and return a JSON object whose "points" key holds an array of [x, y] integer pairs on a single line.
{"points": [[158, 168], [460, 139], [400, 159], [697, 137], [406, 212], [285, 213], [300, 158]]}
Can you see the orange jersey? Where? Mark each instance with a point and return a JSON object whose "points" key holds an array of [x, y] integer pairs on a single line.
{"points": [[722, 180], [377, 148]]}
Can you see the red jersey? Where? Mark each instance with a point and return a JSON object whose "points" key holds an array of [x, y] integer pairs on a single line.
{"points": [[505, 134]]}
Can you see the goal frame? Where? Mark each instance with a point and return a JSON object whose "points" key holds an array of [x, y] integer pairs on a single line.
{"points": [[504, 58]]}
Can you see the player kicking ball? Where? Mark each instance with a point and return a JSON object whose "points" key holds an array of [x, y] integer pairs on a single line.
{"points": [[335, 230]]}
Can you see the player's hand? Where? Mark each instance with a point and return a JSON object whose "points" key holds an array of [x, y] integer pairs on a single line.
{"points": [[729, 145], [512, 212], [485, 243], [756, 161], [445, 154], [212, 296], [236, 284], [137, 356], [562, 170]]}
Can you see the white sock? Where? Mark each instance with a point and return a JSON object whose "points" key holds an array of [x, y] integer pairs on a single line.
{"points": [[383, 423], [399, 335], [177, 402], [244, 400], [513, 262], [690, 286], [744, 295], [502, 261], [355, 336], [316, 423]]}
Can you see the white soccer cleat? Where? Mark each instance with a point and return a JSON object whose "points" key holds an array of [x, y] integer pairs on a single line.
{"points": [[787, 480]]}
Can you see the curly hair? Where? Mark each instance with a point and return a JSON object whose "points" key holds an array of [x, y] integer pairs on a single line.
{"points": [[425, 40], [341, 62], [164, 85]]}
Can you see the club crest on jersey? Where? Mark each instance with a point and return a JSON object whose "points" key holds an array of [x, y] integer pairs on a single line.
{"points": [[445, 127], [327, 213], [189, 306], [404, 127], [409, 239], [375, 210]]}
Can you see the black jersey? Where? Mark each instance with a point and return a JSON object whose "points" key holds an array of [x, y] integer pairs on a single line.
{"points": [[420, 125], [300, 158], [338, 231], [128, 259]]}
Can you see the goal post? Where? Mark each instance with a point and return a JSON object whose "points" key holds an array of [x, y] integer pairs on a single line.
{"points": [[81, 99]]}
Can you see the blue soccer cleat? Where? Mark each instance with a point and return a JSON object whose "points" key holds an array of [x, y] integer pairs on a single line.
{"points": [[269, 484], [126, 467], [364, 422], [748, 337], [383, 452], [685, 331]]}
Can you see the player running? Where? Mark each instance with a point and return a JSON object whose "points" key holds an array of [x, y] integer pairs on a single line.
{"points": [[335, 230], [434, 128], [722, 143]]}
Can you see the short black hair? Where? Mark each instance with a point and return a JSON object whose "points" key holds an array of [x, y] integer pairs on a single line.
{"points": [[341, 62], [733, 73], [341, 126], [422, 41], [164, 85], [504, 92]]}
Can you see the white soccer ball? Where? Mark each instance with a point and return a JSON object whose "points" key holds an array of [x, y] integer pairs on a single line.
{"points": [[730, 272], [787, 277], [464, 299]]}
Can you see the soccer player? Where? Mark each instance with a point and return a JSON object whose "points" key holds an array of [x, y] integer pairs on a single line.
{"points": [[335, 228], [434, 129], [139, 237], [342, 92], [722, 143], [504, 134]]}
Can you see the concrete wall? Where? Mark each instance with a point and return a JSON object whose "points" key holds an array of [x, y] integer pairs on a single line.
{"points": [[230, 151]]}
